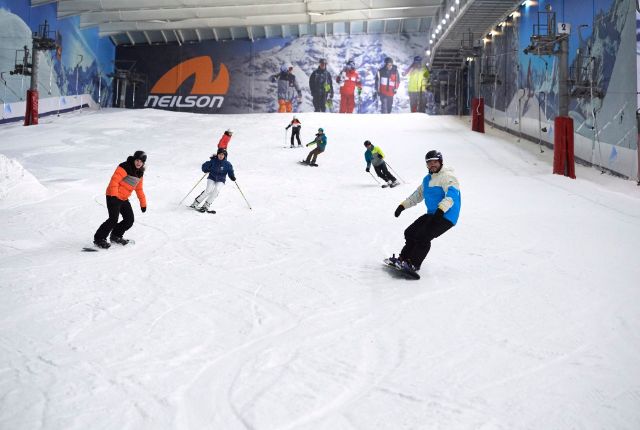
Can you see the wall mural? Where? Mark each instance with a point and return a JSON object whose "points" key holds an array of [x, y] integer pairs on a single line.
{"points": [[81, 64], [242, 76], [603, 101]]}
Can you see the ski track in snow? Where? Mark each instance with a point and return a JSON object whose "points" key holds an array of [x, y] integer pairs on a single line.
{"points": [[283, 317]]}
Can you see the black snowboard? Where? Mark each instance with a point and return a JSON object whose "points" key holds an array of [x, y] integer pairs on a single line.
{"points": [[409, 274], [94, 248]]}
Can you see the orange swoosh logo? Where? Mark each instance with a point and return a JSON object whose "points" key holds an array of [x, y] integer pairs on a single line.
{"points": [[202, 68]]}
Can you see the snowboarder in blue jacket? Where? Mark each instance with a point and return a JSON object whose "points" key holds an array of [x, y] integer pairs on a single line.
{"points": [[218, 168], [440, 192]]}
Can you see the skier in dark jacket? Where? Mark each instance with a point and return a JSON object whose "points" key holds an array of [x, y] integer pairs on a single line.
{"points": [[125, 180], [440, 192], [295, 131], [321, 86], [218, 168]]}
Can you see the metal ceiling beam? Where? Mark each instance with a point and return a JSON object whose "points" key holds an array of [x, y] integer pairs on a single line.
{"points": [[122, 26]]}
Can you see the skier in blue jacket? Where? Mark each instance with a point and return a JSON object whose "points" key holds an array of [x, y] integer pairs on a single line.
{"points": [[218, 168], [440, 192]]}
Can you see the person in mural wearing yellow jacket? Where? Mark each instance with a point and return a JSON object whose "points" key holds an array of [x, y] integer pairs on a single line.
{"points": [[418, 81]]}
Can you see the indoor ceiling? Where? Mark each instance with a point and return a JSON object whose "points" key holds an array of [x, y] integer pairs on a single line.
{"points": [[129, 22], [133, 22]]}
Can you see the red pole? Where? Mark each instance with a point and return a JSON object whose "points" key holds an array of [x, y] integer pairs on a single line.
{"points": [[31, 112], [477, 114], [563, 156]]}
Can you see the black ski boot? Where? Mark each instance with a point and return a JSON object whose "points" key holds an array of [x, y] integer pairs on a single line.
{"points": [[102, 243], [118, 239]]}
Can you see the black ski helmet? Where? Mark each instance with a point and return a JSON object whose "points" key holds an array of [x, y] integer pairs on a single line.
{"points": [[222, 151], [140, 155], [367, 143], [388, 60], [433, 155]]}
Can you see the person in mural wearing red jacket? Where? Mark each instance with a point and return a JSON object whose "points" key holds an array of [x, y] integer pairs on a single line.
{"points": [[349, 81], [387, 83], [224, 140]]}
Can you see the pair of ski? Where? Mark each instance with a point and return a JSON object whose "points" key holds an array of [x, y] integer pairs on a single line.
{"points": [[394, 184], [96, 248], [293, 146], [206, 211], [404, 271], [304, 163]]}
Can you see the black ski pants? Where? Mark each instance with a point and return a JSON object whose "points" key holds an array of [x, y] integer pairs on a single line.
{"points": [[418, 237], [384, 173], [295, 132], [320, 102], [115, 207]]}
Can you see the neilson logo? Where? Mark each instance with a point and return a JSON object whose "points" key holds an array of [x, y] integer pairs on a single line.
{"points": [[207, 91]]}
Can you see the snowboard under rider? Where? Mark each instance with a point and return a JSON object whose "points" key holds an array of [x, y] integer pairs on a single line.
{"points": [[295, 126], [321, 143], [440, 192], [374, 156], [218, 168], [127, 178]]}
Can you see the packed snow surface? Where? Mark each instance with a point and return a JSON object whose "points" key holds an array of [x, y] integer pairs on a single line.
{"points": [[282, 316]]}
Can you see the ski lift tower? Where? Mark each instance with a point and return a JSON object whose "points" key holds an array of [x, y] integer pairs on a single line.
{"points": [[549, 39], [41, 41]]}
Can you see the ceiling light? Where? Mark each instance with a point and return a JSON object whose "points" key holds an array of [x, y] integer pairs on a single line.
{"points": [[428, 52], [437, 30], [447, 16], [453, 8], [314, 13], [431, 42], [439, 27], [457, 1]]}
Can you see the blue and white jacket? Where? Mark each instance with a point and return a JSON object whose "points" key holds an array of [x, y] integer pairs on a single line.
{"points": [[439, 191], [218, 170]]}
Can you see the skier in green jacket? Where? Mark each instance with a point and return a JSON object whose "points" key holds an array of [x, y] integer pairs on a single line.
{"points": [[374, 155]]}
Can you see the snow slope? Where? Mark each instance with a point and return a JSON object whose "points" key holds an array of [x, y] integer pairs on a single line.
{"points": [[282, 317]]}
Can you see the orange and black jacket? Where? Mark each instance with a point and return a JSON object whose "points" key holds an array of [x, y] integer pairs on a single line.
{"points": [[125, 180]]}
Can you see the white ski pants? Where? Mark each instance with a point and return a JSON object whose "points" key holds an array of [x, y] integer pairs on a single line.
{"points": [[211, 192]]}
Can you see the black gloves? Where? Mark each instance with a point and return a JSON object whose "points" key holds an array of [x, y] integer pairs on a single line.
{"points": [[366, 170], [379, 156], [399, 210], [143, 209]]}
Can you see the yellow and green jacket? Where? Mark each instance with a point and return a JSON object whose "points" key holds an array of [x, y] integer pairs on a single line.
{"points": [[418, 79], [374, 156]]}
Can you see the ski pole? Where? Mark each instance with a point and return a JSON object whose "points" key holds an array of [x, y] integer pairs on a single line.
{"points": [[393, 170], [374, 178], [194, 187], [285, 137], [245, 199]]}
